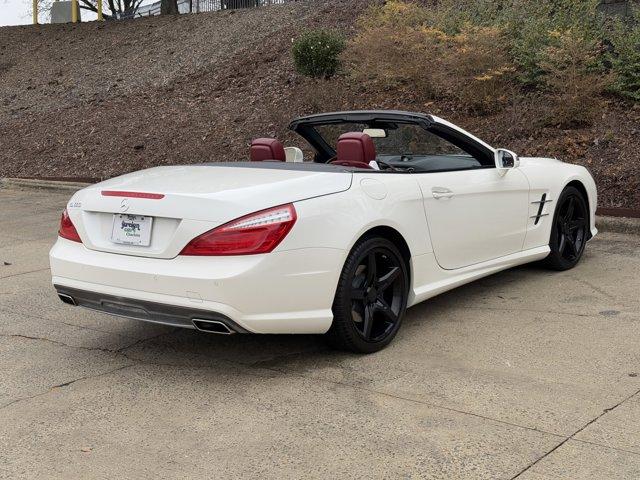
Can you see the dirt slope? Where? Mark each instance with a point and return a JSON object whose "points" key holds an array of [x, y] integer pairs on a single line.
{"points": [[98, 100], [57, 66], [146, 92]]}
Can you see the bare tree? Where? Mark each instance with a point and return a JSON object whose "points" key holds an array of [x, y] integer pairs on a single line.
{"points": [[169, 7], [117, 8]]}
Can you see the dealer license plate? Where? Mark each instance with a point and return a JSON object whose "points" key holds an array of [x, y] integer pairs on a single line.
{"points": [[131, 230]]}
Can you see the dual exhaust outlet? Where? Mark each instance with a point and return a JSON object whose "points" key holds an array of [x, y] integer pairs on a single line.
{"points": [[207, 326], [68, 299], [212, 326]]}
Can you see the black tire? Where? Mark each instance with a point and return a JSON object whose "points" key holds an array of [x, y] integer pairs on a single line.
{"points": [[371, 297], [569, 231]]}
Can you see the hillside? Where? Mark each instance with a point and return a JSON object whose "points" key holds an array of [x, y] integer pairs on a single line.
{"points": [[96, 100]]}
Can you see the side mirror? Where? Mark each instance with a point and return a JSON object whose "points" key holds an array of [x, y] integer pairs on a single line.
{"points": [[506, 160]]}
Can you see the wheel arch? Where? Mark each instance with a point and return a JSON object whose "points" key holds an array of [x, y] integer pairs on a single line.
{"points": [[578, 185], [395, 237]]}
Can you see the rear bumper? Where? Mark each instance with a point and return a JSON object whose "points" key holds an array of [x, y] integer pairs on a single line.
{"points": [[282, 292], [140, 310]]}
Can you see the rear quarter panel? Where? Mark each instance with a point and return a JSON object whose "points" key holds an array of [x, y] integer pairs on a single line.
{"points": [[338, 221]]}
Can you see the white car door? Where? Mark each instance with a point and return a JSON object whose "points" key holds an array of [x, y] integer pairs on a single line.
{"points": [[475, 211], [475, 215]]}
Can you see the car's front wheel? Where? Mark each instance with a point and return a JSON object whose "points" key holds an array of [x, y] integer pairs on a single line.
{"points": [[371, 297], [569, 230]]}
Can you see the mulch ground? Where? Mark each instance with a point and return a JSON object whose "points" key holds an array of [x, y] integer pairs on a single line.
{"points": [[98, 100]]}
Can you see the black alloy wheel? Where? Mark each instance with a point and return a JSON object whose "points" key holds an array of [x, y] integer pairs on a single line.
{"points": [[371, 297], [569, 231]]}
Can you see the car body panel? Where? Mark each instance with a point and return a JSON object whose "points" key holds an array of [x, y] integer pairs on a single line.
{"points": [[550, 176], [496, 219], [280, 292], [196, 200], [483, 205]]}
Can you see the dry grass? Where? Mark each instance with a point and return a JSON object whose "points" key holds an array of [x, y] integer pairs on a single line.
{"points": [[475, 69], [397, 48], [473, 57]]}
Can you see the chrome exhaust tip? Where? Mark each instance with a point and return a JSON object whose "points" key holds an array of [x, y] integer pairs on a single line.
{"points": [[67, 299], [212, 326]]}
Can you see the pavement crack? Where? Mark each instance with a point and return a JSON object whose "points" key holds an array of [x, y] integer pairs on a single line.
{"points": [[143, 340], [532, 310], [56, 342], [269, 363], [402, 398], [69, 324], [570, 437], [25, 273], [596, 444], [66, 384], [115, 351], [596, 288]]}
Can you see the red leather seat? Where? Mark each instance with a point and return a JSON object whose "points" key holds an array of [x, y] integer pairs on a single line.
{"points": [[355, 149], [263, 149]]}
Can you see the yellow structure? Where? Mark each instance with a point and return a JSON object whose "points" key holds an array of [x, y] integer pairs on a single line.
{"points": [[75, 9]]}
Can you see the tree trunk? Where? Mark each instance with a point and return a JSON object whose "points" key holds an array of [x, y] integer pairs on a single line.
{"points": [[169, 7]]}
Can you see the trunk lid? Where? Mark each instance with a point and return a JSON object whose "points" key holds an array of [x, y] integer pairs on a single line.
{"points": [[194, 199]]}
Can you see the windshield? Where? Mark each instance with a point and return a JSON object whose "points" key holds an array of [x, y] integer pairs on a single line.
{"points": [[395, 140], [404, 147]]}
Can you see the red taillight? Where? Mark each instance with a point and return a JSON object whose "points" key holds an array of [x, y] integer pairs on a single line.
{"points": [[67, 229], [258, 232]]}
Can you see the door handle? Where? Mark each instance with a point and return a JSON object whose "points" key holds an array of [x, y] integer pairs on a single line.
{"points": [[440, 192]]}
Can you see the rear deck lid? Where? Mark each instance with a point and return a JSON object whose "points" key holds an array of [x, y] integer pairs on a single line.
{"points": [[185, 201]]}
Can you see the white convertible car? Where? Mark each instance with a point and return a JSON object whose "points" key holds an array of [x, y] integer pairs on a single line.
{"points": [[395, 208]]}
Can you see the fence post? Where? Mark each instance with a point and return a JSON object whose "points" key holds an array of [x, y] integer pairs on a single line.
{"points": [[35, 12], [99, 7], [74, 11]]}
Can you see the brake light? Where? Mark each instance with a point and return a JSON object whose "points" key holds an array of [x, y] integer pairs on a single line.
{"points": [[67, 228], [120, 193], [259, 232]]}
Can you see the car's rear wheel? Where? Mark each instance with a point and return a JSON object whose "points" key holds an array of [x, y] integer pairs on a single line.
{"points": [[371, 297], [569, 230]]}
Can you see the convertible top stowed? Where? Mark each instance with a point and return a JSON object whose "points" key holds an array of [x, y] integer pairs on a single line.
{"points": [[299, 167]]}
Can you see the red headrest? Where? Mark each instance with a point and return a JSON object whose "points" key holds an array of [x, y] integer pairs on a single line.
{"points": [[355, 149], [267, 149]]}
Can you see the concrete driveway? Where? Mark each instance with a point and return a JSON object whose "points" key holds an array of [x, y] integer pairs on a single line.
{"points": [[526, 374]]}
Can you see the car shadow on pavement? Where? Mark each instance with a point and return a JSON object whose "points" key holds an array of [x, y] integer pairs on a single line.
{"points": [[191, 348]]}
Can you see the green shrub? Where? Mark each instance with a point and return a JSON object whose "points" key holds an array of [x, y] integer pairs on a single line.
{"points": [[485, 54], [527, 25], [533, 24], [573, 78], [625, 58], [317, 53]]}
